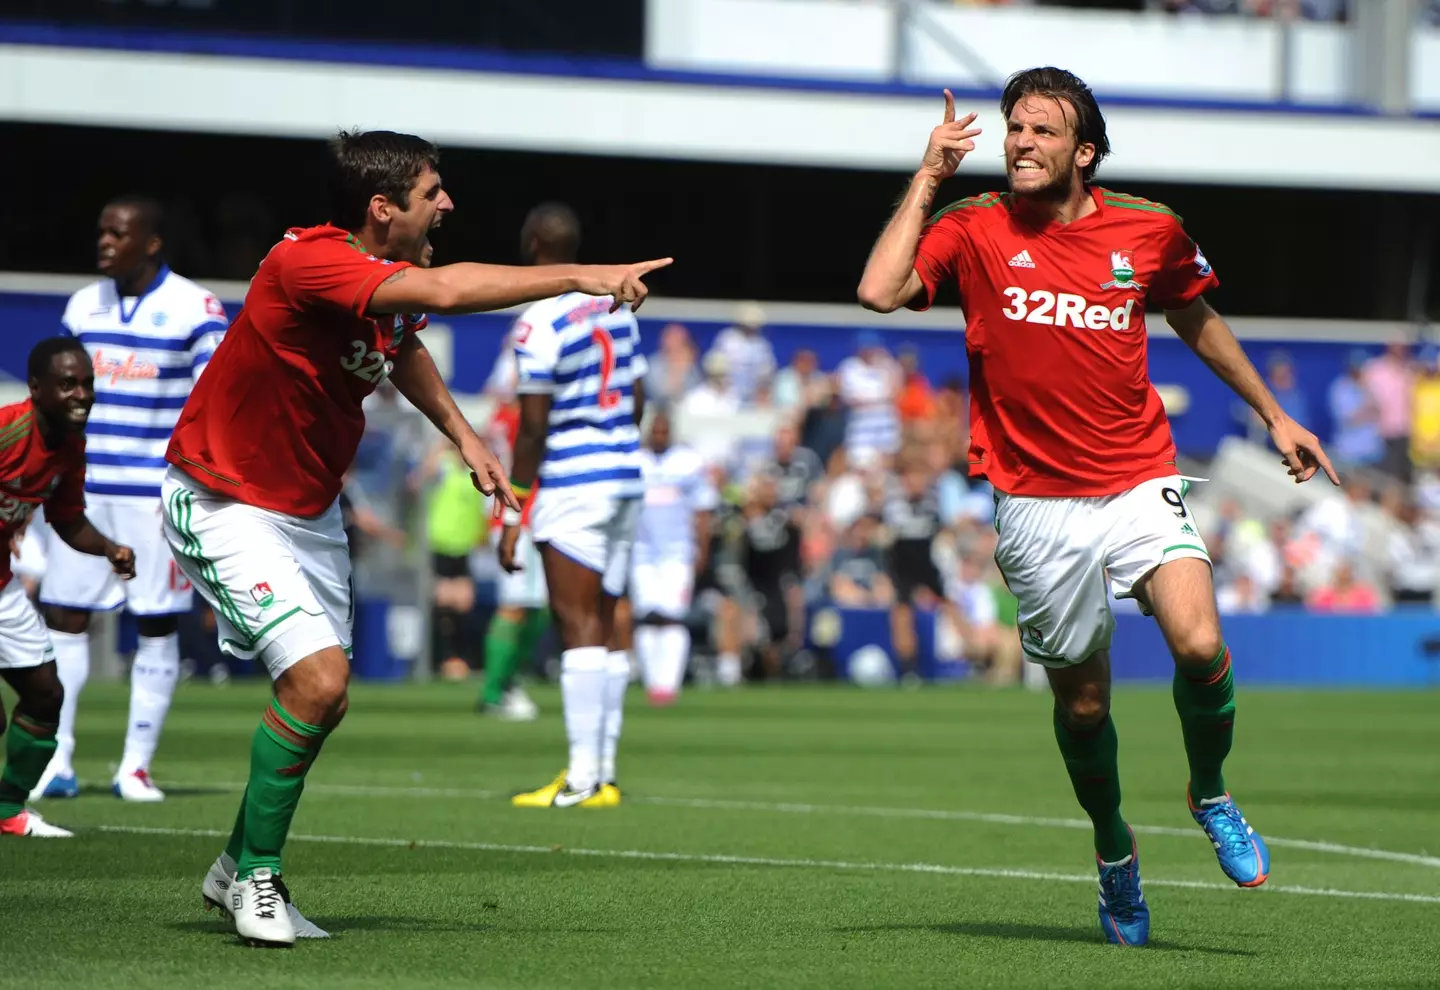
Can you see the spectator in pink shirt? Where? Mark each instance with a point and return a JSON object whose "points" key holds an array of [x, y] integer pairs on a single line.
{"points": [[1346, 593], [1390, 380]]}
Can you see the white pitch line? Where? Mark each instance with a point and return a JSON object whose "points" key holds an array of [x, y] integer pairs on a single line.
{"points": [[991, 818], [806, 864]]}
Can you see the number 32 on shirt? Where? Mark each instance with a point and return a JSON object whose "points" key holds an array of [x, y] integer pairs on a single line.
{"points": [[370, 365]]}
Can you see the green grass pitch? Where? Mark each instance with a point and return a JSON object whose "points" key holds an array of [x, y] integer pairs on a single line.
{"points": [[793, 837]]}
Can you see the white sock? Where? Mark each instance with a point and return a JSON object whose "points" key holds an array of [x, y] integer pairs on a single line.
{"points": [[675, 649], [583, 673], [647, 652], [72, 663], [617, 679], [152, 684], [727, 669]]}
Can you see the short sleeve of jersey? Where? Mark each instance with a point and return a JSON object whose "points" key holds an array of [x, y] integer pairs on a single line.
{"points": [[67, 502], [210, 323], [67, 321], [332, 274], [938, 258], [537, 349], [1184, 274]]}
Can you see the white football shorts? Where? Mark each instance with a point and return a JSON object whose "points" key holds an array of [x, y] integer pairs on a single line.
{"points": [[596, 532], [24, 640], [79, 580], [1057, 553], [663, 588], [526, 587], [279, 584]]}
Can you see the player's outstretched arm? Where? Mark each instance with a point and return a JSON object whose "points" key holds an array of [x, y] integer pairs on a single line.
{"points": [[890, 280], [467, 287], [1210, 337], [82, 537], [417, 378]]}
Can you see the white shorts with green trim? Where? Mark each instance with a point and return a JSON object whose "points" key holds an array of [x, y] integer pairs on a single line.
{"points": [[1056, 554], [24, 640], [526, 587], [279, 585]]}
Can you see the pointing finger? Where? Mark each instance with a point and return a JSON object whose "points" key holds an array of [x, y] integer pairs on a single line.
{"points": [[645, 267]]}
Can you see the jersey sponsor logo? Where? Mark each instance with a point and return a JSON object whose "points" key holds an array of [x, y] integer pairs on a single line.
{"points": [[366, 364], [1122, 267], [1022, 260], [127, 370], [1060, 309], [263, 595], [1201, 263]]}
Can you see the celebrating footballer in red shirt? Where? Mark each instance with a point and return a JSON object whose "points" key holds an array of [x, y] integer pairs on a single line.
{"points": [[261, 448], [42, 463], [1055, 275]]}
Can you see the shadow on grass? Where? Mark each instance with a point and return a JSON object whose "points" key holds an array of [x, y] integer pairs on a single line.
{"points": [[1040, 933]]}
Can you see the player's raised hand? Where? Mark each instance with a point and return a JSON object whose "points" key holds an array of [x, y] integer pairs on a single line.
{"points": [[122, 560], [1303, 455], [950, 142], [621, 281]]}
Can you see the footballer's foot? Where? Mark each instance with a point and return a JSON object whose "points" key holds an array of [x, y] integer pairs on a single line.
{"points": [[215, 891], [56, 785], [660, 698], [1242, 853], [258, 906], [31, 824], [559, 794], [610, 794], [518, 706], [137, 786], [1124, 915]]}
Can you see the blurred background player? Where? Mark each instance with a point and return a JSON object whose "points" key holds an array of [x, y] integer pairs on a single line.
{"points": [[259, 456], [150, 334], [42, 462], [672, 542], [578, 445], [912, 521], [1086, 483], [522, 614]]}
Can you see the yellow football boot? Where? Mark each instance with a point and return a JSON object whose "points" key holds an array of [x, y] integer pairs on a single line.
{"points": [[558, 794]]}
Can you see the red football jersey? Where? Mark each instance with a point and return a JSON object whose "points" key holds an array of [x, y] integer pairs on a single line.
{"points": [[32, 474], [1060, 397], [275, 420], [504, 430]]}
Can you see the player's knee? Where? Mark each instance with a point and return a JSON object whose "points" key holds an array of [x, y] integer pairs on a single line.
{"points": [[1085, 710], [157, 626], [67, 620], [42, 699], [1198, 647]]}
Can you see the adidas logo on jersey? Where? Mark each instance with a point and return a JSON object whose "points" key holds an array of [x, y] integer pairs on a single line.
{"points": [[1022, 260]]}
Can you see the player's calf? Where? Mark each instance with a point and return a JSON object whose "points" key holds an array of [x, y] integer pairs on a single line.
{"points": [[29, 745]]}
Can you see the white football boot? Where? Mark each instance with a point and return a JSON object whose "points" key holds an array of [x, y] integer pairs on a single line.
{"points": [[30, 824], [258, 907], [138, 787], [518, 706], [216, 892]]}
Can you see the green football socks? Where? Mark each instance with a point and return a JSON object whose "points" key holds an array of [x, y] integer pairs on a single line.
{"points": [[28, 747], [507, 642], [1092, 760], [281, 754], [1205, 700]]}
